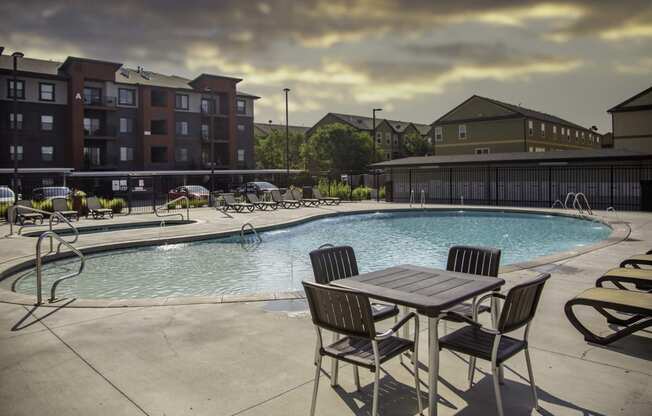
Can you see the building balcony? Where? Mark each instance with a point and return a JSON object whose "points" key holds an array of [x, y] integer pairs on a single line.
{"points": [[207, 139], [106, 132], [99, 101]]}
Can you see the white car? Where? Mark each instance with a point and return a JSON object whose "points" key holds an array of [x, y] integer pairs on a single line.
{"points": [[7, 196]]}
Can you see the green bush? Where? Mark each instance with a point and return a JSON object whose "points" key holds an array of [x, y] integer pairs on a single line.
{"points": [[360, 193], [336, 189], [381, 194], [115, 204], [3, 210], [46, 205]]}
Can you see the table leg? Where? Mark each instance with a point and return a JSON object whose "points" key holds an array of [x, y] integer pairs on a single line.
{"points": [[406, 329], [433, 364]]}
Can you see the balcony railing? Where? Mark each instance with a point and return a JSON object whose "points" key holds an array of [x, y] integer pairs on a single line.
{"points": [[99, 101], [106, 131]]}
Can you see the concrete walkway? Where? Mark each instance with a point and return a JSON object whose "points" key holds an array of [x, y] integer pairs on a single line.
{"points": [[255, 358]]}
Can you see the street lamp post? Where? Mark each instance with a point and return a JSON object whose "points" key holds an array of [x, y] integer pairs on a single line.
{"points": [[16, 56], [287, 138], [373, 154]]}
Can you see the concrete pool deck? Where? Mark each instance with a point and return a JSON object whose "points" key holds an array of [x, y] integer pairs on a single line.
{"points": [[255, 358]]}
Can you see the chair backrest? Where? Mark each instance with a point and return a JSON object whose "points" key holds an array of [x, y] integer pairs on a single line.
{"points": [[59, 204], [23, 203], [297, 194], [93, 203], [276, 195], [288, 196], [253, 198], [474, 260], [521, 303], [229, 199], [333, 263], [340, 310]]}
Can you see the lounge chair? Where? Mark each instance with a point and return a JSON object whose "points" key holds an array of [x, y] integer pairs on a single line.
{"points": [[640, 278], [23, 215], [495, 345], [95, 209], [349, 313], [638, 260], [328, 200], [231, 203], [306, 202], [261, 205], [638, 305], [282, 201], [60, 205]]}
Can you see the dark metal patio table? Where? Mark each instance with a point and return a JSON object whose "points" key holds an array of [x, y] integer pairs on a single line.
{"points": [[430, 292]]}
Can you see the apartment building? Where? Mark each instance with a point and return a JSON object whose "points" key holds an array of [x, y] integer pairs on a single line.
{"points": [[89, 114], [390, 134], [483, 125], [264, 129], [631, 123]]}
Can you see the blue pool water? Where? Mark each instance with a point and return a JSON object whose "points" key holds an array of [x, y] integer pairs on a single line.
{"points": [[224, 266]]}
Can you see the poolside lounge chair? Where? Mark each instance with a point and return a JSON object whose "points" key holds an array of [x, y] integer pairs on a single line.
{"points": [[60, 205], [261, 205], [637, 304], [23, 215], [306, 202], [495, 345], [289, 199], [640, 278], [95, 209], [282, 201], [638, 260], [231, 203], [328, 200], [349, 313]]}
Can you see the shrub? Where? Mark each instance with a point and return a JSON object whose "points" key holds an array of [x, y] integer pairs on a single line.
{"points": [[3, 210], [336, 189], [80, 193], [360, 193], [116, 205], [381, 193], [45, 205]]}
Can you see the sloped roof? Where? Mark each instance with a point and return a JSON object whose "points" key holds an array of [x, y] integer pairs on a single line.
{"points": [[266, 128], [423, 128], [366, 123], [37, 66], [623, 105], [144, 77]]}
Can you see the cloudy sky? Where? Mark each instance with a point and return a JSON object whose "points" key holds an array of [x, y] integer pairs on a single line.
{"points": [[414, 58]]}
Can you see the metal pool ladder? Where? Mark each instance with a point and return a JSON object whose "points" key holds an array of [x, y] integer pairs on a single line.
{"points": [[39, 265], [252, 229], [577, 203], [182, 197]]}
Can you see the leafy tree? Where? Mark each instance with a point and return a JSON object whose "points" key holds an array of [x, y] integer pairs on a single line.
{"points": [[417, 145], [338, 149], [270, 150]]}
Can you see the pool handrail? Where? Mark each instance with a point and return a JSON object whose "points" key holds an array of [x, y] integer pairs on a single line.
{"points": [[568, 197], [174, 214], [578, 197], [411, 197], [252, 229], [52, 215], [39, 265], [423, 198]]}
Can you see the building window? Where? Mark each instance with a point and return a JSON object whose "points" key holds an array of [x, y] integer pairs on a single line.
{"points": [[554, 130], [47, 153], [543, 129], [126, 125], [461, 131], [241, 106], [92, 126], [158, 127], [126, 96], [93, 156], [577, 134], [20, 89], [395, 140], [19, 121], [126, 154], [241, 127], [597, 139], [159, 154], [159, 98], [207, 106], [182, 154], [47, 122], [45, 91], [530, 127], [205, 132], [92, 96], [539, 149], [388, 156], [439, 134], [481, 150], [563, 132], [19, 152], [182, 128], [181, 102], [241, 155]]}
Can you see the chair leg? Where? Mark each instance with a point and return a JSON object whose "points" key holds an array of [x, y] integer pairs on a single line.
{"points": [[501, 374], [471, 370], [316, 387], [496, 377], [356, 376], [374, 409], [334, 364], [531, 375]]}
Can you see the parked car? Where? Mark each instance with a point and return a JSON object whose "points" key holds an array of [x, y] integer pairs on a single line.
{"points": [[191, 191], [257, 188], [7, 196], [49, 192]]}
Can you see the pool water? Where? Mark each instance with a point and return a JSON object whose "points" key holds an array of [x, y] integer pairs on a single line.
{"points": [[281, 261]]}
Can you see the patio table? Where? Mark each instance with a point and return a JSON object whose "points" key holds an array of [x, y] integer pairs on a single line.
{"points": [[429, 291]]}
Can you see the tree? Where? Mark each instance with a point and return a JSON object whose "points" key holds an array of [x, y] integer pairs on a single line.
{"points": [[270, 150], [338, 149], [417, 145]]}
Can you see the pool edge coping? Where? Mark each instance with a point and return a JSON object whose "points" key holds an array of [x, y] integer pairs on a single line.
{"points": [[620, 232]]}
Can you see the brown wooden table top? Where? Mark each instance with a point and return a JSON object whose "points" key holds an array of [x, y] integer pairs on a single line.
{"points": [[426, 289]]}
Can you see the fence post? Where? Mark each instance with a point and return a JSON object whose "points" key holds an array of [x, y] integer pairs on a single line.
{"points": [[129, 195], [153, 193], [611, 188], [450, 186]]}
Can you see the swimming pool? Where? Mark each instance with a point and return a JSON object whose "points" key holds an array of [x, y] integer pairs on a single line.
{"points": [[280, 262]]}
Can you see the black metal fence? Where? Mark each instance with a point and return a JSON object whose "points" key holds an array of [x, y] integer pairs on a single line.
{"points": [[624, 187]]}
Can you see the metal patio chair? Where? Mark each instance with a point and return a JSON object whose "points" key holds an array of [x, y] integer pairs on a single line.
{"points": [[520, 305], [23, 215], [349, 313], [60, 205], [95, 208]]}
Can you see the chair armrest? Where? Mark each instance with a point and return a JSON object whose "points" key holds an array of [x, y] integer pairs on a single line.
{"points": [[394, 329], [483, 298], [463, 318]]}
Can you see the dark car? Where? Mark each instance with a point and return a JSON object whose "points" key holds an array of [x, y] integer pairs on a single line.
{"points": [[49, 192], [191, 191], [257, 188]]}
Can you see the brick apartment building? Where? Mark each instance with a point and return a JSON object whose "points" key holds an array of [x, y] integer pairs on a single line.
{"points": [[97, 115]]}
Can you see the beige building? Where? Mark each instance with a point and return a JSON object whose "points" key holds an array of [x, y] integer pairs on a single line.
{"points": [[483, 125], [631, 122]]}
